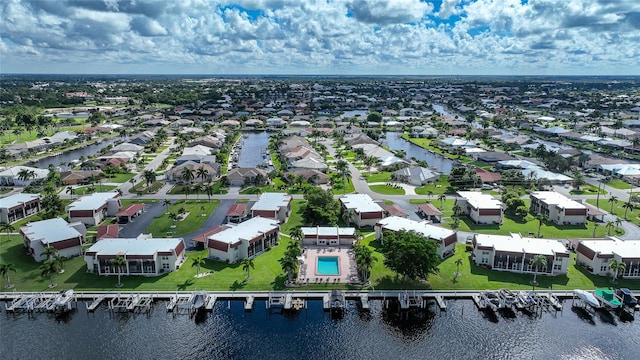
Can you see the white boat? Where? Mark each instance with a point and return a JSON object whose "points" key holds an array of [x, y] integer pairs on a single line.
{"points": [[198, 300], [526, 299], [508, 297], [492, 300], [62, 301], [587, 297]]}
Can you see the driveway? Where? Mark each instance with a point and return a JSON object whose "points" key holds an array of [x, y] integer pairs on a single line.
{"points": [[139, 225]]}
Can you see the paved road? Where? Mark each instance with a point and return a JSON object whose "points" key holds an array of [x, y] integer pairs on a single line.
{"points": [[139, 225]]}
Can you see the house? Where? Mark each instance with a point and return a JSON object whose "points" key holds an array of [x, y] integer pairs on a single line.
{"points": [[127, 214], [328, 235], [175, 173], [311, 176], [361, 209], [416, 175], [21, 175], [557, 208], [241, 176], [237, 213], [18, 206], [75, 177], [144, 255], [234, 242], [514, 253], [107, 231], [93, 209], [66, 238], [596, 255], [128, 147], [445, 238], [481, 208], [275, 206]]}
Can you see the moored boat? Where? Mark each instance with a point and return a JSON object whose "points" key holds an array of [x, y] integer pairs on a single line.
{"points": [[492, 300], [508, 297], [588, 298], [198, 300], [628, 298], [525, 299], [608, 298]]}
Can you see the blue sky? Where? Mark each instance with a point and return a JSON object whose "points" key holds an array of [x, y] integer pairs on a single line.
{"points": [[342, 37]]}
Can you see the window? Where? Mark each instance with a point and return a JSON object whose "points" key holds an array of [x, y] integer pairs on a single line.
{"points": [[165, 266], [165, 258], [484, 261], [604, 268], [557, 266], [485, 253]]}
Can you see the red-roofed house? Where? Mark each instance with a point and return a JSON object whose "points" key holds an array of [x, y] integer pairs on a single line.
{"points": [[395, 210], [488, 176], [127, 214], [108, 231], [237, 213]]}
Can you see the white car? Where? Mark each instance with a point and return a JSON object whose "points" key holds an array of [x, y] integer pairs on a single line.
{"points": [[487, 187]]}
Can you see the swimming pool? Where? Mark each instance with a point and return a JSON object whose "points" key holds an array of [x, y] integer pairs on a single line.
{"points": [[328, 265]]}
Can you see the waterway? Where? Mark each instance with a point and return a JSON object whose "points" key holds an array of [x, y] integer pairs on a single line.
{"points": [[229, 332], [74, 154], [254, 144], [394, 141]]}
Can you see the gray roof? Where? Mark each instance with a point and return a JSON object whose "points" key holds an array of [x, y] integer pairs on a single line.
{"points": [[396, 223], [17, 199], [360, 203], [247, 230], [142, 245], [92, 202], [271, 201], [50, 231]]}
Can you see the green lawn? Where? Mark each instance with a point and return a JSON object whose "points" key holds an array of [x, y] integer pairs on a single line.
{"points": [[441, 186], [387, 190], [120, 178], [619, 184], [617, 210], [339, 190], [295, 219], [142, 187], [161, 225], [84, 190], [179, 189], [379, 177], [588, 190]]}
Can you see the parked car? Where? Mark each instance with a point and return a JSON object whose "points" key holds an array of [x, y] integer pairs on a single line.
{"points": [[487, 187]]}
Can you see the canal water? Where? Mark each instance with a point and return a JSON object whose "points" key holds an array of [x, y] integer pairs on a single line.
{"points": [[75, 154], [229, 332], [253, 147], [394, 141]]}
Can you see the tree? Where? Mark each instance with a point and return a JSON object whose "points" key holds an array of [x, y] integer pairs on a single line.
{"points": [[364, 260], [374, 117], [613, 200], [617, 267], [320, 207], [247, 265], [456, 209], [7, 228], [119, 263], [410, 254], [294, 249], [628, 205], [458, 264], [289, 265], [5, 269], [610, 225], [595, 227], [537, 262], [47, 269], [59, 260], [70, 190], [149, 177], [187, 175], [198, 188], [618, 222], [521, 212], [541, 219], [49, 252], [296, 234], [202, 173], [442, 198], [166, 203], [197, 261]]}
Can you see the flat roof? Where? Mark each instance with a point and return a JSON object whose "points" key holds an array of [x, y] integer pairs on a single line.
{"points": [[328, 231], [50, 231], [518, 244], [246, 230], [554, 198], [92, 202], [396, 223], [134, 246], [360, 202], [480, 200], [624, 249], [271, 201], [16, 200]]}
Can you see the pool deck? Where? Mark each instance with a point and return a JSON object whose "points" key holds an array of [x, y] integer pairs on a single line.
{"points": [[346, 263]]}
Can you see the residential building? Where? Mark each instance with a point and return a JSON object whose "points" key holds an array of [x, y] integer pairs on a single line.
{"points": [[275, 206], [18, 206], [144, 255], [234, 242], [21, 175], [361, 209], [237, 213], [596, 255], [66, 238], [416, 175], [328, 235], [514, 253], [93, 209], [242, 176], [445, 238], [481, 208], [557, 208]]}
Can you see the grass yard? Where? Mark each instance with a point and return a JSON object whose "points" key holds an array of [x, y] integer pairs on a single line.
{"points": [[142, 187], [379, 177], [587, 190], [162, 225], [84, 190], [619, 184], [617, 209], [120, 178], [386, 190], [441, 186], [295, 219]]}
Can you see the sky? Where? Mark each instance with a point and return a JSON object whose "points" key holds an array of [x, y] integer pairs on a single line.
{"points": [[332, 37]]}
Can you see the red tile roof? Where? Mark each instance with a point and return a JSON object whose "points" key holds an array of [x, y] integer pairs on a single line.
{"points": [[395, 210], [108, 231], [203, 237], [130, 210], [429, 210], [488, 176], [237, 210]]}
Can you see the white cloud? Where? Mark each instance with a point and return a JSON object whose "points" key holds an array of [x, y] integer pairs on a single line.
{"points": [[384, 12]]}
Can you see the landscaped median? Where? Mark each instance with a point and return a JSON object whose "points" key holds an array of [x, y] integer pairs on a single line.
{"points": [[190, 217]]}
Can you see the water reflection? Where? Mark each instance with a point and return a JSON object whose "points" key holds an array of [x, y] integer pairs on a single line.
{"points": [[395, 142]]}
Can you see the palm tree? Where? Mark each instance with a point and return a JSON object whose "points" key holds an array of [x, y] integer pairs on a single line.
{"points": [[537, 262], [202, 173], [149, 177], [8, 228], [47, 269], [442, 198], [294, 249], [364, 260], [349, 215], [247, 265], [610, 224], [197, 188], [187, 175], [429, 194], [617, 267], [5, 269], [209, 190], [618, 222], [541, 219], [456, 209], [118, 262], [59, 260], [613, 200], [289, 265], [628, 205], [49, 252], [70, 190], [458, 264], [198, 261], [296, 234], [166, 202], [595, 226]]}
